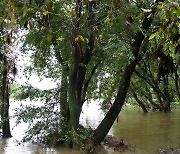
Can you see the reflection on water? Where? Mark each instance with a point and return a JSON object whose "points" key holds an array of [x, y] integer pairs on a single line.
{"points": [[148, 132]]}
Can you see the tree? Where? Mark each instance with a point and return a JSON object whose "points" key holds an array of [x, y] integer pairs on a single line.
{"points": [[69, 35], [5, 66], [7, 26], [140, 103], [5, 100]]}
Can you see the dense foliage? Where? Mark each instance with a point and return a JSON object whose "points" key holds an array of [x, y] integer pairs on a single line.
{"points": [[125, 51]]}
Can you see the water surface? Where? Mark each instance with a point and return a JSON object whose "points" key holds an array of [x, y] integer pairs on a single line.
{"points": [[146, 132]]}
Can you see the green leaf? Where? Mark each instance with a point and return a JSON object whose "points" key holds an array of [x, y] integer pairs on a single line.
{"points": [[152, 36], [1, 20], [49, 37], [107, 20], [162, 35], [82, 38], [30, 9], [175, 29], [178, 11], [160, 5], [171, 47], [60, 39], [45, 13]]}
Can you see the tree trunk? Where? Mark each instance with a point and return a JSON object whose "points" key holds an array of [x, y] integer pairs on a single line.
{"points": [[148, 96], [154, 86], [167, 107], [104, 127], [106, 124], [64, 108], [140, 103], [77, 75], [5, 118], [177, 82], [74, 113], [5, 102]]}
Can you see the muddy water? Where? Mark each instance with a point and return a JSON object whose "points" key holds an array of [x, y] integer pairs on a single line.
{"points": [[146, 132]]}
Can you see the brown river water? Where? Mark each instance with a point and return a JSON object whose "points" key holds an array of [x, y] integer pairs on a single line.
{"points": [[147, 133]]}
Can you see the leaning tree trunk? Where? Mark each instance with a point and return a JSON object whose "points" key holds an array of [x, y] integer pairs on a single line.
{"points": [[140, 103], [155, 87], [148, 96], [106, 124], [5, 101], [104, 127]]}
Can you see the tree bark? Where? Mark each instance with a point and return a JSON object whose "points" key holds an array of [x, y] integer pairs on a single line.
{"points": [[140, 103], [64, 108], [177, 82], [167, 107], [105, 125], [80, 60], [148, 96], [154, 86], [5, 101]]}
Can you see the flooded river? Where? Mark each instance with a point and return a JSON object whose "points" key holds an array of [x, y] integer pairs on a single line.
{"points": [[146, 132]]}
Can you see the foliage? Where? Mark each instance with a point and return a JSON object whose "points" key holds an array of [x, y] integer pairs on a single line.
{"points": [[45, 124], [167, 31], [92, 48], [47, 127], [21, 92]]}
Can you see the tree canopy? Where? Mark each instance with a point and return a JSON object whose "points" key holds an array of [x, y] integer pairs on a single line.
{"points": [[113, 51]]}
